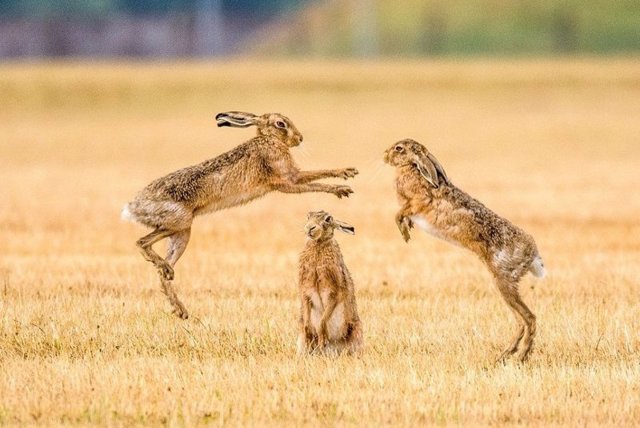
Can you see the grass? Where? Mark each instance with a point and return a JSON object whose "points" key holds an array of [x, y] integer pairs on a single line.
{"points": [[86, 337]]}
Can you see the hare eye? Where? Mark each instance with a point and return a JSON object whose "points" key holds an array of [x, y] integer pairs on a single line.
{"points": [[328, 219], [399, 149], [281, 124]]}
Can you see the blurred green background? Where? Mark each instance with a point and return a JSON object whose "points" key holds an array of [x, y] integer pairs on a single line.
{"points": [[349, 28]]}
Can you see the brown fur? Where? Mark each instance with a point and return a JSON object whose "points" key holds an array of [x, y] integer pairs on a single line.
{"points": [[329, 321], [249, 171], [428, 199]]}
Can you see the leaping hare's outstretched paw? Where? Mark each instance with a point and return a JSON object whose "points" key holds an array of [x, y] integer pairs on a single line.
{"points": [[347, 173], [342, 191]]}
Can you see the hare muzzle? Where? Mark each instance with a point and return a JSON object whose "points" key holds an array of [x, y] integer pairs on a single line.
{"points": [[313, 231]]}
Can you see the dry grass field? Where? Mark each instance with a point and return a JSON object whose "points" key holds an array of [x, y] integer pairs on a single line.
{"points": [[86, 337]]}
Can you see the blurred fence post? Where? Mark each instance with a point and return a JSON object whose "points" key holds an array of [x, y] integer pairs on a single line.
{"points": [[565, 30], [209, 31], [434, 30], [365, 28]]}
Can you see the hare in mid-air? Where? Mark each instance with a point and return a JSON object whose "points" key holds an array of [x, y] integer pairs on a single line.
{"points": [[329, 321], [249, 171], [431, 202]]}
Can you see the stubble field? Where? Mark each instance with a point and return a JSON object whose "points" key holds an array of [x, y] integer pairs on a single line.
{"points": [[86, 337]]}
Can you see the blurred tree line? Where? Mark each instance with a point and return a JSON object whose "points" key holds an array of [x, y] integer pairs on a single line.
{"points": [[459, 27], [134, 28], [333, 28], [40, 8]]}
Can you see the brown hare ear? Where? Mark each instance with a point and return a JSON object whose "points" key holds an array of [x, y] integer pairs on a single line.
{"points": [[344, 227], [236, 119], [427, 169], [430, 169], [439, 168]]}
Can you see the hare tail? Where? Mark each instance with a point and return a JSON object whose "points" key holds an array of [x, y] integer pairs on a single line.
{"points": [[126, 213]]}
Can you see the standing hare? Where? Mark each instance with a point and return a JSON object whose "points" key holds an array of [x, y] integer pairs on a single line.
{"points": [[249, 171], [329, 316], [430, 201]]}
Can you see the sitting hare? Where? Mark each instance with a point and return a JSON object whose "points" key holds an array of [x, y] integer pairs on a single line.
{"points": [[430, 201], [249, 171], [329, 320]]}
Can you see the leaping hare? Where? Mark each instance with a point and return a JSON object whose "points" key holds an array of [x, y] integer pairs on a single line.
{"points": [[329, 316], [249, 171], [430, 201]]}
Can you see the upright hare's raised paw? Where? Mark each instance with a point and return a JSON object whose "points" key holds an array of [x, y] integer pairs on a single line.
{"points": [[404, 225], [347, 173], [342, 191]]}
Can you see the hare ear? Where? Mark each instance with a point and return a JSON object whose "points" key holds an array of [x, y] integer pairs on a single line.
{"points": [[344, 227], [439, 168], [236, 119], [427, 169]]}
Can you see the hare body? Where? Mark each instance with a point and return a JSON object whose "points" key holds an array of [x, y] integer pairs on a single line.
{"points": [[249, 171], [431, 202], [329, 321], [454, 216], [231, 179]]}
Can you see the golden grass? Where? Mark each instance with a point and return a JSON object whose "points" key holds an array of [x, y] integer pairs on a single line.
{"points": [[86, 337]]}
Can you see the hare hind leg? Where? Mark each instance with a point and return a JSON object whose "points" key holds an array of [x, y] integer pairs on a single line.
{"points": [[177, 244], [529, 333], [515, 341], [527, 329], [354, 340], [145, 245], [351, 344], [306, 343]]}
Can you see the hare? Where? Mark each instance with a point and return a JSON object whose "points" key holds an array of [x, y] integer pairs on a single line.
{"points": [[430, 201], [329, 320], [249, 171]]}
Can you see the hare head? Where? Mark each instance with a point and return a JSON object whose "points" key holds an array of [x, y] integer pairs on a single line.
{"points": [[410, 152], [320, 226], [269, 125]]}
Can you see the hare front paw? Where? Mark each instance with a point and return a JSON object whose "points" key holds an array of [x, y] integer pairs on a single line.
{"points": [[347, 173], [404, 225], [341, 191]]}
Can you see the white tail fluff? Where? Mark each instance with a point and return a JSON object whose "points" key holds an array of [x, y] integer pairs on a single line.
{"points": [[126, 214], [537, 268]]}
